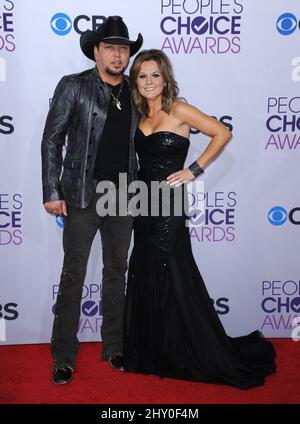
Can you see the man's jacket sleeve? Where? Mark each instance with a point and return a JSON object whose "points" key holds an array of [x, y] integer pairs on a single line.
{"points": [[54, 137]]}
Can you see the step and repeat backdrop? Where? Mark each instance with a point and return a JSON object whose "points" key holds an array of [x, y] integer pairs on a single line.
{"points": [[236, 60]]}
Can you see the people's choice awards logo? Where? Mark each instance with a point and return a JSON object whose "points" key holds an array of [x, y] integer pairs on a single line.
{"points": [[7, 38], [91, 308], [281, 304], [11, 219], [212, 215], [286, 24], [61, 24], [283, 123], [202, 27]]}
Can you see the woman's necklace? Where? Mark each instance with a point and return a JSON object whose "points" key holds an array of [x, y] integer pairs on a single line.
{"points": [[116, 100]]}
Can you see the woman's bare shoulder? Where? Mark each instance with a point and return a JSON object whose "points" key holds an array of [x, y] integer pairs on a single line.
{"points": [[183, 108]]}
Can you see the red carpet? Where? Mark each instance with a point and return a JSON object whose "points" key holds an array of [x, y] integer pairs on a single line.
{"points": [[25, 377]]}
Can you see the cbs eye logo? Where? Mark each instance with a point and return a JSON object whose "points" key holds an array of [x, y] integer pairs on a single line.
{"points": [[60, 221], [61, 24], [278, 215], [286, 24]]}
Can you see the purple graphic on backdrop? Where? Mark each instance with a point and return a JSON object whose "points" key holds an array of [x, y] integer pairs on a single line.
{"points": [[216, 221], [91, 308], [283, 123], [280, 303], [210, 27], [10, 219], [7, 38]]}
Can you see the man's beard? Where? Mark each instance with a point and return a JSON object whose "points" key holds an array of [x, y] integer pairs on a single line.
{"points": [[115, 73]]}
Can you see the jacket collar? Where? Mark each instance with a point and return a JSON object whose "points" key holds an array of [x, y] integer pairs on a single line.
{"points": [[98, 79]]}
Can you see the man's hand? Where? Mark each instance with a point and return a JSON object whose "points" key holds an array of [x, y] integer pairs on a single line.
{"points": [[56, 207]]}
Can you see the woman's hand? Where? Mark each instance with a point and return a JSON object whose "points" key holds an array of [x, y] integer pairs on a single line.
{"points": [[180, 177]]}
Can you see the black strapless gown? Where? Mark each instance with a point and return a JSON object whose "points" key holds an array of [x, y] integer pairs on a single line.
{"points": [[171, 326]]}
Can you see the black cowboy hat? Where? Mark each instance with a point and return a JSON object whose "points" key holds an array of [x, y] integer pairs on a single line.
{"points": [[112, 31]]}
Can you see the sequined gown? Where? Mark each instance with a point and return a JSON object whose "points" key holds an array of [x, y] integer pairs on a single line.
{"points": [[171, 326]]}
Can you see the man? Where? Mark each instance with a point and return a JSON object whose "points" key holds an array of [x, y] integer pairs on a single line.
{"points": [[93, 111]]}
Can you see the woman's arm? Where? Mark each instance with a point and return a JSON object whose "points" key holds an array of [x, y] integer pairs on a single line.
{"points": [[219, 134]]}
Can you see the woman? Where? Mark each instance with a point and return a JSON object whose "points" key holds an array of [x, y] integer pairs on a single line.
{"points": [[171, 327]]}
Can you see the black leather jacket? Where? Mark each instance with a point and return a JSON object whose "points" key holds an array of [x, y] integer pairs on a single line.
{"points": [[77, 115]]}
